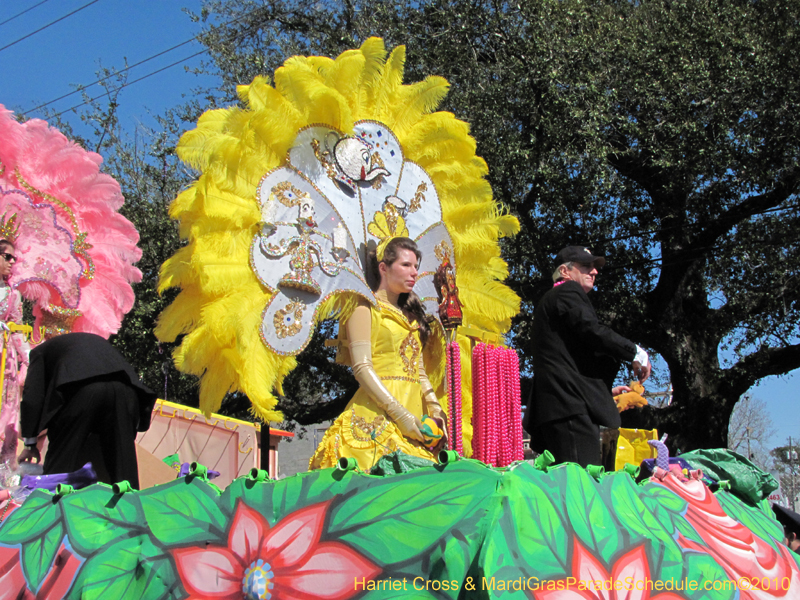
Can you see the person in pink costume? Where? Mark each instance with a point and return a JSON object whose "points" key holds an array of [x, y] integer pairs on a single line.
{"points": [[16, 356]]}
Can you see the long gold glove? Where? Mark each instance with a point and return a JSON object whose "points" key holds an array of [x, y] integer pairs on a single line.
{"points": [[361, 357], [432, 406]]}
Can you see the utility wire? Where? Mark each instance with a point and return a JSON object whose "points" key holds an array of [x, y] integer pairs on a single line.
{"points": [[126, 84], [23, 12], [85, 87], [25, 37], [102, 79]]}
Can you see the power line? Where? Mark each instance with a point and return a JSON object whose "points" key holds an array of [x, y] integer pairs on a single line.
{"points": [[25, 37], [23, 12], [102, 79], [126, 84], [84, 87]]}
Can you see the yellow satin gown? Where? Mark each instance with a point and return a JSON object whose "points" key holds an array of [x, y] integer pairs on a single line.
{"points": [[364, 431]]}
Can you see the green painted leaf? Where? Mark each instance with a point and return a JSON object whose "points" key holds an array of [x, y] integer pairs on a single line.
{"points": [[634, 517], [38, 555], [397, 518], [131, 568], [97, 516], [183, 512], [763, 526], [37, 515], [508, 582], [451, 559], [701, 568], [409, 592], [666, 498], [589, 516], [686, 530], [528, 530]]}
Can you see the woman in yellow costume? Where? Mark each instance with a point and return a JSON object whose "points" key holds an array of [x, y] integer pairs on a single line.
{"points": [[375, 160], [384, 348]]}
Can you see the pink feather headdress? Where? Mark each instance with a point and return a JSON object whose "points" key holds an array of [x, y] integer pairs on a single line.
{"points": [[75, 251]]}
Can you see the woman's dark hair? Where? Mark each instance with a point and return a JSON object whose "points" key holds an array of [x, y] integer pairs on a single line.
{"points": [[409, 303]]}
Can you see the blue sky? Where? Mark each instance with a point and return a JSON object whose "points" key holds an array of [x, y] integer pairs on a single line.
{"points": [[46, 65], [49, 63]]}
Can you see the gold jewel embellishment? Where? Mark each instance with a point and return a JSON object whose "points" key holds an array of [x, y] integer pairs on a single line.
{"points": [[287, 320], [288, 194], [9, 230], [373, 429], [376, 162], [80, 246], [409, 352], [400, 378], [419, 198], [443, 252]]}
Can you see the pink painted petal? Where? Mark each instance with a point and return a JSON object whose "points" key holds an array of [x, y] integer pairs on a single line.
{"points": [[586, 568], [62, 574], [667, 596], [294, 537], [247, 533], [631, 569], [561, 594], [12, 581], [329, 574], [213, 572]]}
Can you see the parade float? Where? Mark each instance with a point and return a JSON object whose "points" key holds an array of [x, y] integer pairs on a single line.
{"points": [[294, 186]]}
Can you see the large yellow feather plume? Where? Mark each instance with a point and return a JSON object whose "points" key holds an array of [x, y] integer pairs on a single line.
{"points": [[220, 306]]}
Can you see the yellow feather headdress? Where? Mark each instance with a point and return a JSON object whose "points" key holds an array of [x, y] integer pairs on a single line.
{"points": [[326, 127]]}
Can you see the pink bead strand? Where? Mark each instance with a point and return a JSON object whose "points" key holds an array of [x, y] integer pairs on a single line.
{"points": [[456, 367], [493, 397], [477, 404], [516, 403]]}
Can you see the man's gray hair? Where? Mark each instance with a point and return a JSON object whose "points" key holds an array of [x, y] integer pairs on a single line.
{"points": [[557, 273]]}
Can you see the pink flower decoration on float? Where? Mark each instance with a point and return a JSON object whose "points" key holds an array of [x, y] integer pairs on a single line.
{"points": [[743, 555], [631, 570], [285, 562]]}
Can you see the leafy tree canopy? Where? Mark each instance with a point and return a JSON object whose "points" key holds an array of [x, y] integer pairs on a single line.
{"points": [[661, 133]]}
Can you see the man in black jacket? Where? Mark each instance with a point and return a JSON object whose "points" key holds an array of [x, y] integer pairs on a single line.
{"points": [[79, 385], [575, 361]]}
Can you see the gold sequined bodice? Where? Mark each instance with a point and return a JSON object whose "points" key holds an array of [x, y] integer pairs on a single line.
{"points": [[397, 350]]}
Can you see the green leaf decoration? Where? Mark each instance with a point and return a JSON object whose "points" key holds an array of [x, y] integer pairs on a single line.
{"points": [[664, 497], [97, 516], [131, 568], [766, 528], [38, 514], [542, 543], [589, 516], [509, 583], [401, 594], [276, 499], [665, 504], [399, 517], [38, 555], [666, 558], [686, 529], [183, 512], [701, 568]]}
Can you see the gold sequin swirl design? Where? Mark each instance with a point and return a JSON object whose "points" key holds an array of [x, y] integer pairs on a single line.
{"points": [[79, 245]]}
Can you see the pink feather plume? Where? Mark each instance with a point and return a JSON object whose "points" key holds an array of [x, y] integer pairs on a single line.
{"points": [[54, 165]]}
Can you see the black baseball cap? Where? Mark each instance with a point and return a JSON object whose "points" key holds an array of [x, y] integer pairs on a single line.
{"points": [[579, 254], [788, 518]]}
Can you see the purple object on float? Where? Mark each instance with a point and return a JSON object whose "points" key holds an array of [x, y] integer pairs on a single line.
{"points": [[81, 478]]}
